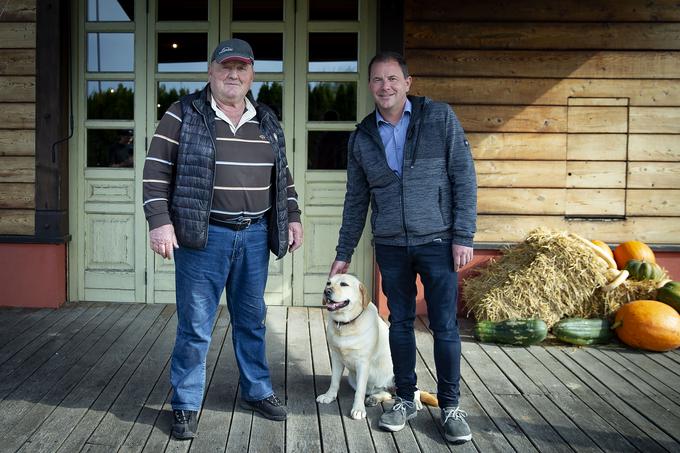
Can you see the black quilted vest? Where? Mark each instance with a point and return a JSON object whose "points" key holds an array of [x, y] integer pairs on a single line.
{"points": [[192, 192]]}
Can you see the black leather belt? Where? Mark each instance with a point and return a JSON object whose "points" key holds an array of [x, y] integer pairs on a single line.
{"points": [[236, 225]]}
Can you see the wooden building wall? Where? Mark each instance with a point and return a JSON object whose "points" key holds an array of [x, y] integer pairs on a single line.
{"points": [[17, 117], [572, 109]]}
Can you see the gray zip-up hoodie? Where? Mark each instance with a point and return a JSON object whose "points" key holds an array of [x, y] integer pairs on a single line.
{"points": [[436, 197]]}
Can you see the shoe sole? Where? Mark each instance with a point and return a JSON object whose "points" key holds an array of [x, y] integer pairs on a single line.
{"points": [[183, 436], [395, 428], [278, 418], [458, 439]]}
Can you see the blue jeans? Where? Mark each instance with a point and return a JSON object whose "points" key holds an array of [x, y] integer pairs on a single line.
{"points": [[239, 260], [398, 268]]}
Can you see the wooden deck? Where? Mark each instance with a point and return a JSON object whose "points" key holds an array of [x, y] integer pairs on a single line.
{"points": [[93, 377]]}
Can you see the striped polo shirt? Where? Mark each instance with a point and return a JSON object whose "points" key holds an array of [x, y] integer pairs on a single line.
{"points": [[244, 170]]}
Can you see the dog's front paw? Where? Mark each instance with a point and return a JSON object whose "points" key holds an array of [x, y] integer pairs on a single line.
{"points": [[358, 412], [326, 398]]}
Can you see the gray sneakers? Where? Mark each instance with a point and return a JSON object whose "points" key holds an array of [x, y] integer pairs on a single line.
{"points": [[456, 428], [395, 418]]}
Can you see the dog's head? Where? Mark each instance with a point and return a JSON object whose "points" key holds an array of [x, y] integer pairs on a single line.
{"points": [[345, 293]]}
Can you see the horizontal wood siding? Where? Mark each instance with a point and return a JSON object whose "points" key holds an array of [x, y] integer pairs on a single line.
{"points": [[17, 117], [572, 110]]}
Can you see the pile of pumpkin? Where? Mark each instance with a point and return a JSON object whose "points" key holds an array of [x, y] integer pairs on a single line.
{"points": [[645, 324]]}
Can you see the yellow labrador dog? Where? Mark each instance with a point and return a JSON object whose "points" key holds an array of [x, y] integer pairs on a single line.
{"points": [[358, 340]]}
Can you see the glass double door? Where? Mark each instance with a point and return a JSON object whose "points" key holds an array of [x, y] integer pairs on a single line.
{"points": [[311, 59]]}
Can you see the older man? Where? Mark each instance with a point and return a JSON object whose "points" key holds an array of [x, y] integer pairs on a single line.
{"points": [[219, 196]]}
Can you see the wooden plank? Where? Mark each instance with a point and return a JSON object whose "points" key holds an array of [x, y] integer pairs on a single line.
{"points": [[597, 146], [17, 61], [17, 35], [597, 119], [17, 115], [118, 419], [17, 89], [30, 358], [501, 173], [546, 91], [17, 143], [545, 63], [647, 147], [500, 118], [18, 11], [17, 169], [653, 202], [546, 35], [630, 410], [269, 435], [595, 202], [597, 101], [654, 175], [51, 434], [330, 417], [38, 413], [94, 417], [514, 228], [651, 372], [17, 195], [302, 429], [521, 201], [518, 146], [530, 10], [28, 339], [655, 120], [25, 320], [48, 377], [658, 414], [596, 175], [600, 413], [17, 221]]}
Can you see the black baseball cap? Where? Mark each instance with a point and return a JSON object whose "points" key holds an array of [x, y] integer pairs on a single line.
{"points": [[233, 49]]}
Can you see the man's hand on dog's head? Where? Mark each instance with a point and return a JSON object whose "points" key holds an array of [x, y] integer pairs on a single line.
{"points": [[339, 267]]}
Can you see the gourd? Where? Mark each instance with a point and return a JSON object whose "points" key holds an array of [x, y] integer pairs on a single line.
{"points": [[522, 332], [670, 294], [633, 250], [643, 270], [605, 248], [648, 324], [582, 331]]}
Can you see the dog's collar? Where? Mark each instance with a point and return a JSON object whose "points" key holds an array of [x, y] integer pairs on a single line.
{"points": [[339, 324]]}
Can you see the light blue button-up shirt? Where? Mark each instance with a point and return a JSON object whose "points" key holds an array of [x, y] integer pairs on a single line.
{"points": [[394, 137]]}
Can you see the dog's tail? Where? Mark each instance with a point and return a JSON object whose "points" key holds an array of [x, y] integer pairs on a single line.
{"points": [[428, 399]]}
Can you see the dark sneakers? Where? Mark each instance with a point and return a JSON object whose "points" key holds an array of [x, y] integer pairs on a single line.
{"points": [[456, 429], [270, 407], [395, 419], [184, 425]]}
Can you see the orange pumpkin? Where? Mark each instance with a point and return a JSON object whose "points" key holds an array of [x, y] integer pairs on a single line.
{"points": [[633, 250], [648, 324], [604, 247]]}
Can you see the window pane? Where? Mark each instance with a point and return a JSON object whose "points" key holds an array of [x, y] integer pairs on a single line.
{"points": [[270, 94], [183, 52], [332, 101], [110, 52], [267, 48], [169, 92], [335, 10], [333, 52], [327, 150], [110, 10], [258, 10], [181, 10], [110, 148], [110, 100]]}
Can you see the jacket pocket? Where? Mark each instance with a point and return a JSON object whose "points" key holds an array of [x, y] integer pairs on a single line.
{"points": [[386, 219]]}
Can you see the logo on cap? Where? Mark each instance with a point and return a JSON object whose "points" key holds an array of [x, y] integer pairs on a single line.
{"points": [[225, 49]]}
